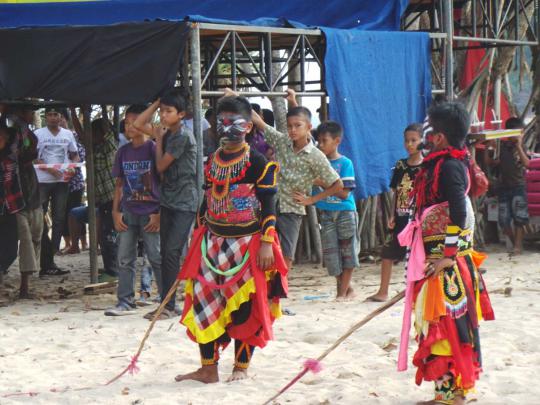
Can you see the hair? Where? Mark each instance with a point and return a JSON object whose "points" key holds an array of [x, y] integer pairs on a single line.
{"points": [[415, 127], [332, 128], [208, 113], [514, 123], [268, 116], [175, 97], [452, 120], [299, 112], [256, 107], [237, 105], [100, 125], [135, 109]]}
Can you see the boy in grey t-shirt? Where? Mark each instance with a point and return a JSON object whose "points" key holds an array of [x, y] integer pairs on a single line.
{"points": [[176, 156]]}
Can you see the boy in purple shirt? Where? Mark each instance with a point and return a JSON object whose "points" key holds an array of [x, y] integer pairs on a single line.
{"points": [[135, 210]]}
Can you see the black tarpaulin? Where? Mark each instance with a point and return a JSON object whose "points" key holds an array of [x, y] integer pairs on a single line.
{"points": [[115, 64]]}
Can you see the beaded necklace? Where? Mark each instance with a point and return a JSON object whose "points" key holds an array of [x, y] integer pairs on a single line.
{"points": [[222, 174]]}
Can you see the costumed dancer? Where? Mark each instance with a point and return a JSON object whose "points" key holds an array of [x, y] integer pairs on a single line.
{"points": [[444, 288], [234, 270]]}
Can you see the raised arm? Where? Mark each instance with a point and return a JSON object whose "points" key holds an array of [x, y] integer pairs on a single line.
{"points": [[144, 121]]}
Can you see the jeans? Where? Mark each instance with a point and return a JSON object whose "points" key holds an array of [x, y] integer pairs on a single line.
{"points": [[513, 206], [127, 255], [146, 277], [107, 238], [57, 194], [175, 227], [8, 241]]}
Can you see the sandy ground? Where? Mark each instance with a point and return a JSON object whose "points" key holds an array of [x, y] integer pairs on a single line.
{"points": [[68, 342]]}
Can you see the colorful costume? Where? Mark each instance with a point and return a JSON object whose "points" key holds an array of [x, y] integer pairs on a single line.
{"points": [[447, 306], [227, 294]]}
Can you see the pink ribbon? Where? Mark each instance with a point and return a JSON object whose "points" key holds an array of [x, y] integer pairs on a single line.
{"points": [[412, 236]]}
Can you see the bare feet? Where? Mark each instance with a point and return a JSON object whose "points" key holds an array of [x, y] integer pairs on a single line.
{"points": [[350, 294], [72, 250], [379, 297], [206, 374], [516, 252], [238, 374], [459, 400]]}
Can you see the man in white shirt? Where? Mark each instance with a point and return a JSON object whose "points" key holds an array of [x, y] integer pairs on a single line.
{"points": [[55, 145]]}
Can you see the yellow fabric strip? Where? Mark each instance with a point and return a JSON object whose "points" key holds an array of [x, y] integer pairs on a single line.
{"points": [[441, 348]]}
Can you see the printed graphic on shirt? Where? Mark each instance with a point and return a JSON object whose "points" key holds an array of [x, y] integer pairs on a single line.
{"points": [[403, 183], [138, 181]]}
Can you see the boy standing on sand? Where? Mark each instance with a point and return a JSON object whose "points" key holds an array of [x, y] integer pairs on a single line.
{"points": [[401, 184], [338, 216], [176, 161], [135, 210], [302, 165]]}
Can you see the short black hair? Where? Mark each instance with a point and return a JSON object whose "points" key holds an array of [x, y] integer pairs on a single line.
{"points": [[235, 104], [268, 116], [415, 127], [101, 125], [299, 112], [175, 97], [331, 128], [452, 120], [208, 113], [256, 107], [514, 123], [135, 109]]}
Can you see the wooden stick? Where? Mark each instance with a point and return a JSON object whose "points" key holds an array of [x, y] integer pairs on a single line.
{"points": [[132, 367], [351, 330]]}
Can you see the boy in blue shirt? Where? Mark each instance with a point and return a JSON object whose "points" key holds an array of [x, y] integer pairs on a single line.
{"points": [[338, 216]]}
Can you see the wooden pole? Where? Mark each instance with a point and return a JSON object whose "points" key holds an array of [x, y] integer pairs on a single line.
{"points": [[91, 193]]}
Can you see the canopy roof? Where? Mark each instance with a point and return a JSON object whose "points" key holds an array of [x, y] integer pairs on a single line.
{"points": [[358, 14]]}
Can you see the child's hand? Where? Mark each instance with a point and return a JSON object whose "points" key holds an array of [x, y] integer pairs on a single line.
{"points": [[302, 199], [230, 92], [153, 225], [291, 96], [265, 257], [118, 220], [158, 131], [391, 222]]}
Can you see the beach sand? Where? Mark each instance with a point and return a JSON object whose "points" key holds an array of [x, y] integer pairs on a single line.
{"points": [[54, 342]]}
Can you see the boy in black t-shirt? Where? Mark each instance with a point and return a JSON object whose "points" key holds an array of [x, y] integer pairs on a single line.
{"points": [[402, 183]]}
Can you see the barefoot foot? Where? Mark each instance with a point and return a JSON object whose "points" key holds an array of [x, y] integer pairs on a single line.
{"points": [[238, 374], [206, 374], [350, 294], [377, 298]]}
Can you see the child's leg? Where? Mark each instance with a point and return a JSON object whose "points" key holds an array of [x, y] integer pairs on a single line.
{"points": [[386, 275], [208, 373], [288, 228], [242, 357], [346, 230]]}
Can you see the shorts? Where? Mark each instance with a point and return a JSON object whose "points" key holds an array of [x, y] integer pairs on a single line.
{"points": [[80, 214], [339, 237], [391, 249], [288, 228], [513, 207]]}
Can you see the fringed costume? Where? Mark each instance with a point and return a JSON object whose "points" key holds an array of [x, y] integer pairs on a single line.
{"points": [[227, 295], [447, 306]]}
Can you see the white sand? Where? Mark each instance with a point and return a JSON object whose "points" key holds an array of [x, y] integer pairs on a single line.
{"points": [[69, 343]]}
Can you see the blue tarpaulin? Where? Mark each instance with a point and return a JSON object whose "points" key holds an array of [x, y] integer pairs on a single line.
{"points": [[378, 83], [363, 14]]}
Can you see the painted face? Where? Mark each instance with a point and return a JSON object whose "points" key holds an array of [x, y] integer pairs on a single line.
{"points": [[232, 128]]}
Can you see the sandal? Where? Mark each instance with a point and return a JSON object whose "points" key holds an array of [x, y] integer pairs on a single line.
{"points": [[166, 314]]}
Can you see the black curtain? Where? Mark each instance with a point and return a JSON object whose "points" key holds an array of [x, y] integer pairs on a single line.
{"points": [[114, 64]]}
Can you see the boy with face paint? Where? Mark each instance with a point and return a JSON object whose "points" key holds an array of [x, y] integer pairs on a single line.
{"points": [[444, 287], [234, 270]]}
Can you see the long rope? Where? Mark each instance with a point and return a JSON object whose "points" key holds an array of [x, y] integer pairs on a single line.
{"points": [[314, 365]]}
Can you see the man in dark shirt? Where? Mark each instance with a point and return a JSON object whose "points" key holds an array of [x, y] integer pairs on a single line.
{"points": [[512, 162]]}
